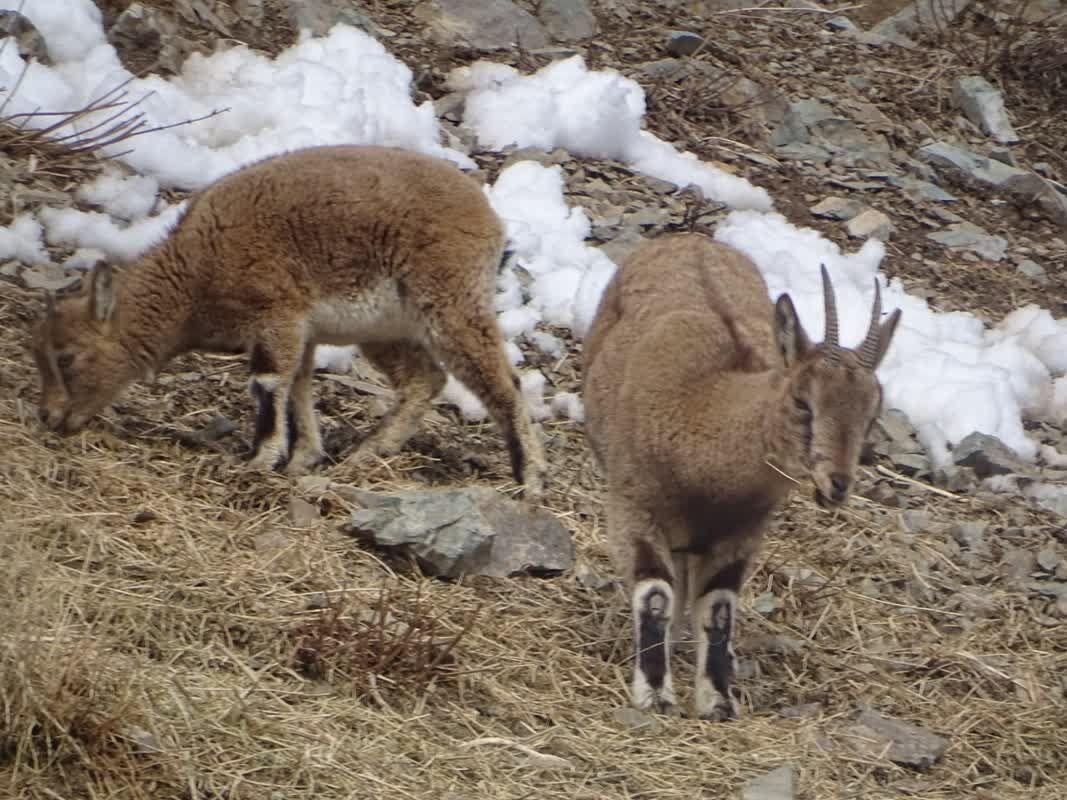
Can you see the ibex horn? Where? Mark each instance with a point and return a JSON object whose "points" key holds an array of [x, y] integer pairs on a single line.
{"points": [[869, 348], [830, 307]]}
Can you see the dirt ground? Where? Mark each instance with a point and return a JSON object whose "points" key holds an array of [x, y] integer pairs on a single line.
{"points": [[168, 631]]}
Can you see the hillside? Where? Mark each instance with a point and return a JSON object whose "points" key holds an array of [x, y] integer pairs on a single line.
{"points": [[173, 626]]}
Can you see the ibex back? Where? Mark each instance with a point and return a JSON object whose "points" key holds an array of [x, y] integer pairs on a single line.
{"points": [[701, 398], [388, 249]]}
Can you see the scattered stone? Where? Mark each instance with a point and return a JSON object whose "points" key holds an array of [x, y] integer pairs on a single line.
{"points": [[766, 603], [619, 248], [984, 106], [1017, 563], [970, 535], [841, 23], [968, 236], [683, 43], [1056, 589], [871, 224], [474, 531], [635, 720], [482, 24], [590, 578], [1032, 270], [801, 711], [1006, 156], [913, 521], [1024, 186], [1048, 559], [986, 455], [917, 16], [28, 39], [838, 208], [318, 16], [302, 513], [922, 190], [141, 31], [913, 464], [883, 494], [567, 20], [900, 742], [774, 785], [145, 741], [47, 277]]}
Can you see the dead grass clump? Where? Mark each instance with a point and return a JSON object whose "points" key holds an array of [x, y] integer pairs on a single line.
{"points": [[400, 641]]}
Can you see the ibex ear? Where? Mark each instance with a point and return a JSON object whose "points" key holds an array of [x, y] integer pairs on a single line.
{"points": [[101, 292], [789, 335], [885, 336], [49, 305]]}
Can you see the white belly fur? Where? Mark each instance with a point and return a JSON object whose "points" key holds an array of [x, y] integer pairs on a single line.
{"points": [[376, 315]]}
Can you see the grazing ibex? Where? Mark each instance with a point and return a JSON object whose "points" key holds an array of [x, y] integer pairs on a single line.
{"points": [[388, 249], [702, 397]]}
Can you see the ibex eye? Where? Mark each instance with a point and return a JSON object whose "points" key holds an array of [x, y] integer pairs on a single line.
{"points": [[801, 406], [64, 360]]}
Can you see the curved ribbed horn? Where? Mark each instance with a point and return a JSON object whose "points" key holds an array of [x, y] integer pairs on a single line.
{"points": [[830, 307], [869, 348]]}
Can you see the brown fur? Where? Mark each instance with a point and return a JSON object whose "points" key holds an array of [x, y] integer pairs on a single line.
{"points": [[692, 378], [385, 248]]}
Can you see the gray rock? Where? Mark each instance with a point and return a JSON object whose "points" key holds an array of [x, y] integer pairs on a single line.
{"points": [[1032, 270], [870, 224], [474, 531], [917, 16], [911, 463], [1048, 559], [978, 169], [914, 521], [567, 20], [900, 742], [970, 535], [984, 106], [838, 208], [47, 277], [1005, 156], [802, 711], [1055, 589], [1024, 186], [633, 719], [302, 513], [986, 455], [683, 43], [841, 23], [968, 236], [28, 39], [922, 190], [482, 24], [318, 16], [619, 248], [814, 124], [774, 785]]}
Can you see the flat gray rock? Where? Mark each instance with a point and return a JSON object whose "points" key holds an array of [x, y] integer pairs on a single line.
{"points": [[774, 785], [567, 20], [984, 106], [900, 742], [471, 531], [968, 236], [986, 455], [482, 24]]}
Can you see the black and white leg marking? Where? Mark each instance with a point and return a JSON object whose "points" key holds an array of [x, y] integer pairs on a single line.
{"points": [[653, 605], [714, 617], [270, 445]]}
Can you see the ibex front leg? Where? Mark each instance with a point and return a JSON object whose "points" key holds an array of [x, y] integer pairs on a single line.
{"points": [[714, 616], [275, 360]]}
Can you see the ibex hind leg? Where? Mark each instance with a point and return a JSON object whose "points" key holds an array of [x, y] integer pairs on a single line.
{"points": [[417, 379], [472, 348], [714, 618], [305, 440]]}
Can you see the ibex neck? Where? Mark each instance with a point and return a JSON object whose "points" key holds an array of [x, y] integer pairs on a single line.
{"points": [[154, 305]]}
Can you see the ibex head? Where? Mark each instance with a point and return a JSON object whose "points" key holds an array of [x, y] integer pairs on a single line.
{"points": [[82, 365], [831, 393]]}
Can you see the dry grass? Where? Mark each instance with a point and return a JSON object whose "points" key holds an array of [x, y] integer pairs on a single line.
{"points": [[155, 600], [166, 632]]}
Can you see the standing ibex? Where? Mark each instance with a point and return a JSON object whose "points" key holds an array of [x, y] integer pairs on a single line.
{"points": [[388, 249], [701, 398]]}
